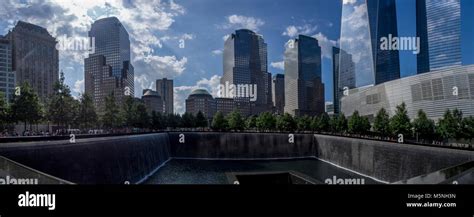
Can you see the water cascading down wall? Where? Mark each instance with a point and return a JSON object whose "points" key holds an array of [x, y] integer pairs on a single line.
{"points": [[116, 160]]}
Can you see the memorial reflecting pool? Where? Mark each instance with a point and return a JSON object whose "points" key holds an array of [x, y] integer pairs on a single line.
{"points": [[187, 171]]}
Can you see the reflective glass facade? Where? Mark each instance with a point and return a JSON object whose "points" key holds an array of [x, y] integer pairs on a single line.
{"points": [[109, 69], [245, 62], [439, 29], [304, 91], [363, 24], [343, 75]]}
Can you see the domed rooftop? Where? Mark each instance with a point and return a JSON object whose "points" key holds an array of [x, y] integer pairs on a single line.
{"points": [[200, 92], [151, 93]]}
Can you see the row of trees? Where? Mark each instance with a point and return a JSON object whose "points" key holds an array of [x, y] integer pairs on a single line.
{"points": [[61, 108], [66, 112], [452, 125]]}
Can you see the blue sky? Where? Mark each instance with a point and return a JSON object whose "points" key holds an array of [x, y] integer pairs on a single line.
{"points": [[157, 27]]}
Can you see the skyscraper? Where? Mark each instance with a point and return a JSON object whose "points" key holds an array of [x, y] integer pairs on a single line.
{"points": [[35, 58], [245, 62], [374, 19], [108, 70], [438, 25], [278, 93], [304, 90], [7, 76], [164, 87], [343, 75], [382, 23]]}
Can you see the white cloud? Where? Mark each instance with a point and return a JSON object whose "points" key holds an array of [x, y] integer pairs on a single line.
{"points": [[143, 19], [293, 31], [79, 87], [225, 37], [182, 92], [154, 67], [355, 40], [345, 2], [326, 45], [242, 22], [216, 52], [278, 65]]}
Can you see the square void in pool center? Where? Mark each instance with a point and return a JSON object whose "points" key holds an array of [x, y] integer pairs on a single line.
{"points": [[297, 171]]}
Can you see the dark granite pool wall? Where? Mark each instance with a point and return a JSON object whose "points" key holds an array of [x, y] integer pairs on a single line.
{"points": [[240, 145], [132, 158], [387, 161], [112, 160]]}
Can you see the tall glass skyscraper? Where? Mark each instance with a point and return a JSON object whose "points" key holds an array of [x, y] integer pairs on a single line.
{"points": [[109, 70], [343, 75], [439, 29], [383, 22], [304, 90], [363, 24], [245, 62]]}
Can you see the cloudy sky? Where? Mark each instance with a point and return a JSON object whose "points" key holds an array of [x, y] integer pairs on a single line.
{"points": [[157, 28]]}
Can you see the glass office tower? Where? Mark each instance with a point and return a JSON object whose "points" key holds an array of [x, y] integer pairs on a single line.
{"points": [[108, 70], [343, 75], [383, 23], [439, 29], [363, 24], [304, 90], [245, 62]]}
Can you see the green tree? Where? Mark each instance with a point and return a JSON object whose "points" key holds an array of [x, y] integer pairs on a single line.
{"points": [[4, 112], [26, 107], [458, 120], [179, 121], [423, 127], [157, 121], [219, 122], [171, 121], [304, 123], [339, 123], [142, 117], [61, 106], [201, 120], [188, 119], [358, 124], [251, 123], [321, 123], [111, 118], [235, 121], [87, 116], [265, 121], [285, 123], [129, 112], [400, 122], [382, 123], [468, 130], [447, 126]]}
